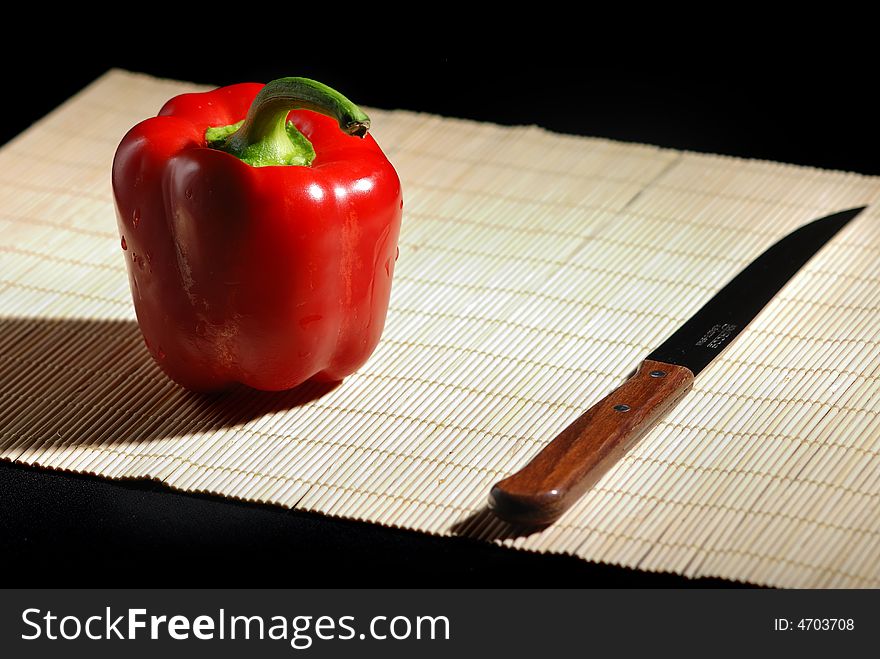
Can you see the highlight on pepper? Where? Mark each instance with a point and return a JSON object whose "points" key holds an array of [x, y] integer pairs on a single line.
{"points": [[259, 225]]}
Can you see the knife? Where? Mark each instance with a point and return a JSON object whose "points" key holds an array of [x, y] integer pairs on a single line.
{"points": [[539, 493]]}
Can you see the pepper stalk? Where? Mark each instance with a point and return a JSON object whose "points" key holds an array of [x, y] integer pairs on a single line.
{"points": [[265, 137]]}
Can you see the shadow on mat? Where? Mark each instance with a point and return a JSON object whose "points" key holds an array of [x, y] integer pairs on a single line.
{"points": [[484, 525], [72, 381]]}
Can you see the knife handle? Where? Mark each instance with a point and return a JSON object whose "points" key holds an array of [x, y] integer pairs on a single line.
{"points": [[568, 466]]}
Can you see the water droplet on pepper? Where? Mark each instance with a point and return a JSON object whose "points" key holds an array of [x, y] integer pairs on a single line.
{"points": [[136, 217], [160, 353], [189, 193], [124, 244]]}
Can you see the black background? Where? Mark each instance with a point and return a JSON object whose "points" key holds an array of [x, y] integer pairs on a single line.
{"points": [[798, 105], [806, 102]]}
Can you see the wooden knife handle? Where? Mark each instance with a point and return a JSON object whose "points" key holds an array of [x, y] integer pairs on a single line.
{"points": [[568, 466]]}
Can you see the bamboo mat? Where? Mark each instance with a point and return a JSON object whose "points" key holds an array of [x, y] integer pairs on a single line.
{"points": [[535, 271]]}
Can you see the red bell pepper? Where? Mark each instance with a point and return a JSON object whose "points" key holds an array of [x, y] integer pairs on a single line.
{"points": [[260, 242]]}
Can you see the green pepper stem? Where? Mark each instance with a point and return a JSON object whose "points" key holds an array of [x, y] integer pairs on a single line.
{"points": [[266, 138]]}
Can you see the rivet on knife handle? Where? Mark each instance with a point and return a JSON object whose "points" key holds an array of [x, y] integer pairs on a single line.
{"points": [[568, 466], [540, 492]]}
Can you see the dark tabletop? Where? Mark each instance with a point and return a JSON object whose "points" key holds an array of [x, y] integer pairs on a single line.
{"points": [[791, 107]]}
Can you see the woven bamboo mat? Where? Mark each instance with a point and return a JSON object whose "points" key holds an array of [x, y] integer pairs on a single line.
{"points": [[535, 271]]}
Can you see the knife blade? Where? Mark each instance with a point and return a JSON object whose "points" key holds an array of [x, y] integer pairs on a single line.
{"points": [[539, 493]]}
